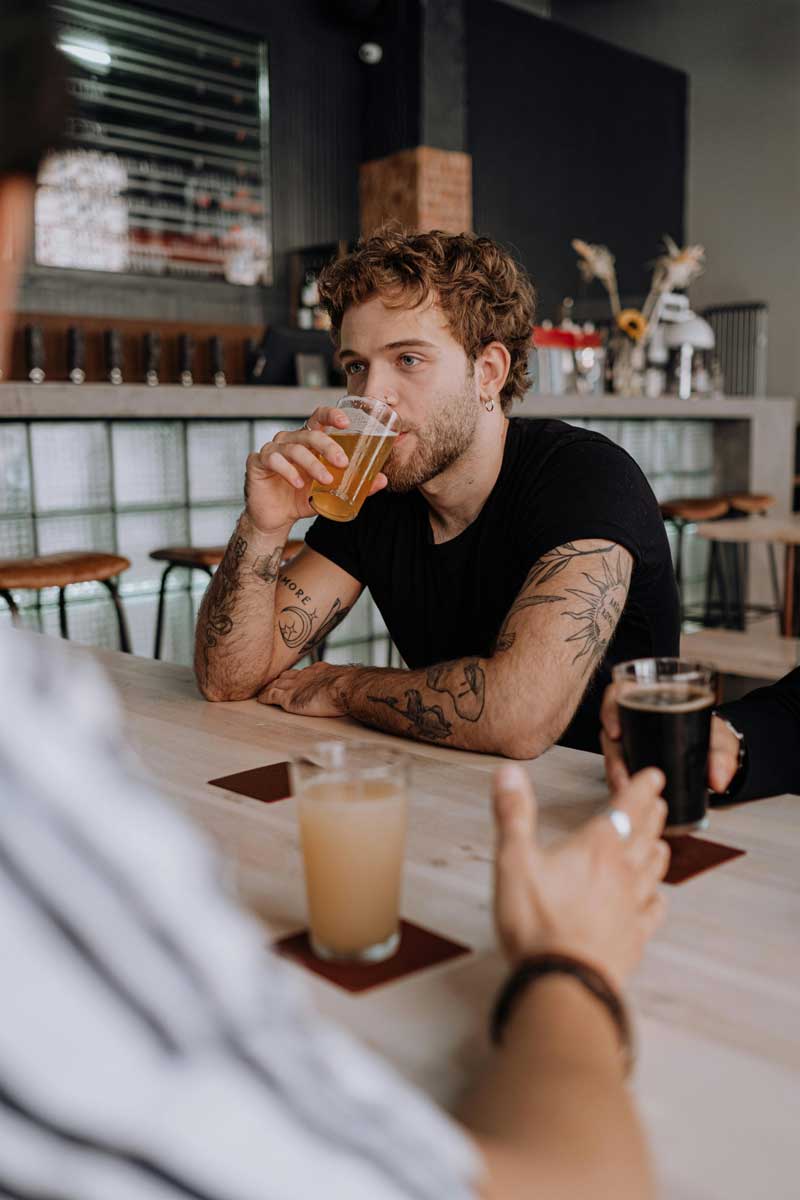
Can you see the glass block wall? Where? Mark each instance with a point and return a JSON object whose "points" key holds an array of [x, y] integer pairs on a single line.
{"points": [[132, 486]]}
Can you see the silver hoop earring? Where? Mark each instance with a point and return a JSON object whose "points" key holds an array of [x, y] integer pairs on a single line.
{"points": [[489, 405]]}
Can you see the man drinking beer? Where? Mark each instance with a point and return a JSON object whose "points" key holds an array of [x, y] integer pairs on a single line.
{"points": [[514, 561]]}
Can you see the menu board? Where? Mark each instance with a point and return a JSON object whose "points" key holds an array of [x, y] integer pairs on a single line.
{"points": [[165, 171]]}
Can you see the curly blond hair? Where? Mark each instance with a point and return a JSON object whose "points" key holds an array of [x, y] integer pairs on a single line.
{"points": [[485, 295]]}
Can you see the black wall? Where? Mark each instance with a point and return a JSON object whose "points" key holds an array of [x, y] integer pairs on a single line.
{"points": [[571, 138]]}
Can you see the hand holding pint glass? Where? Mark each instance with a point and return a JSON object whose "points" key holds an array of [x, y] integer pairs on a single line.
{"points": [[352, 806], [665, 707], [367, 441]]}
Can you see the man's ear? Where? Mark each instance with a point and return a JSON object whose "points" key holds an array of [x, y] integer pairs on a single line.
{"points": [[491, 370], [16, 215]]}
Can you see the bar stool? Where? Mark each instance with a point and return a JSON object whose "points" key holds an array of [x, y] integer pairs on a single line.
{"points": [[60, 570], [688, 510], [197, 558], [740, 533]]}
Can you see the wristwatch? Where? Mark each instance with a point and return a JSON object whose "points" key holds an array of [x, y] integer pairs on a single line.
{"points": [[741, 766]]}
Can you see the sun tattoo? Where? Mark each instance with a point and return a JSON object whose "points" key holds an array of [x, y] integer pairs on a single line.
{"points": [[602, 608]]}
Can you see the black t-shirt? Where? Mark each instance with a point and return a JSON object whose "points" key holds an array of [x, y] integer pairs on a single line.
{"points": [[557, 484]]}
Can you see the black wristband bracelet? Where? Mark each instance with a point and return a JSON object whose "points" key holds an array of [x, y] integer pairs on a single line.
{"points": [[532, 969]]}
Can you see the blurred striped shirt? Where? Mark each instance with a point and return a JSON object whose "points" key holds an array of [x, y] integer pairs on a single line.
{"points": [[149, 1045]]}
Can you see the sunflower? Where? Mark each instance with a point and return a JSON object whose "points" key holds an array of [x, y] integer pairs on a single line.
{"points": [[632, 323]]}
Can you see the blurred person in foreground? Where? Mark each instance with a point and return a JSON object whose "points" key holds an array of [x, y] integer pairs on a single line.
{"points": [[754, 749], [513, 560], [151, 1047]]}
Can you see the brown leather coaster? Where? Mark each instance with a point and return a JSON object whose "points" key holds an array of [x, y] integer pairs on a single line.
{"points": [[269, 783], [418, 948], [693, 855]]}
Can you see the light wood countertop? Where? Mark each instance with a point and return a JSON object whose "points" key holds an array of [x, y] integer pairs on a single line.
{"points": [[717, 999]]}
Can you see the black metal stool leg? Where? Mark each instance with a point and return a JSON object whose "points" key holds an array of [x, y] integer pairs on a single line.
{"points": [[160, 614], [776, 591], [62, 612], [124, 638], [679, 526], [722, 587], [12, 605]]}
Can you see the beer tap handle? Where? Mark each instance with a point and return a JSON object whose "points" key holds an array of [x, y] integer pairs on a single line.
{"points": [[34, 353], [152, 358], [256, 360], [217, 354], [76, 354], [185, 356], [113, 354]]}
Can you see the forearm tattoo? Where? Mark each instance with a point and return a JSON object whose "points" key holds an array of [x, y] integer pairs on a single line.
{"points": [[224, 586], [267, 566], [600, 608], [296, 625], [426, 721], [464, 682]]}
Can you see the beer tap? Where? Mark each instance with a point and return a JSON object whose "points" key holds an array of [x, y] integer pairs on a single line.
{"points": [[217, 355], [185, 356], [34, 353], [113, 355], [152, 358], [76, 354]]}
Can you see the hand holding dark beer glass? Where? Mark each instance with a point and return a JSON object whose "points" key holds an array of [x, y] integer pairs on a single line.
{"points": [[281, 475], [665, 707]]}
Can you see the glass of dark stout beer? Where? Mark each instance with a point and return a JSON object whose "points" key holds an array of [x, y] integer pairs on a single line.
{"points": [[665, 707]]}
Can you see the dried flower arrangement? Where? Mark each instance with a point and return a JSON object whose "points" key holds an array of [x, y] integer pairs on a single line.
{"points": [[674, 269]]}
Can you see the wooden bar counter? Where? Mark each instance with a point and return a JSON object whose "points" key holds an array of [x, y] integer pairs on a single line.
{"points": [[716, 1000]]}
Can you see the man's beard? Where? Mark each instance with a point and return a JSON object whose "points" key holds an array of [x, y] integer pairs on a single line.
{"points": [[443, 440]]}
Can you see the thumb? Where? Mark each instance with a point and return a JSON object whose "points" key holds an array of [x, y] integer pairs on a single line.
{"points": [[515, 808], [721, 769]]}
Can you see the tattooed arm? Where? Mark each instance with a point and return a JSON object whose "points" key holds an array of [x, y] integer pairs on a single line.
{"points": [[516, 702], [258, 618]]}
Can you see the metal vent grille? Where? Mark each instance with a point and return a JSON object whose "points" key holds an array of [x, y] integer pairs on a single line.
{"points": [[741, 335]]}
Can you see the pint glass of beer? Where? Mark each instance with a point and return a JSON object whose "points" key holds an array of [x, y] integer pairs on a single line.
{"points": [[367, 442], [352, 806], [665, 711]]}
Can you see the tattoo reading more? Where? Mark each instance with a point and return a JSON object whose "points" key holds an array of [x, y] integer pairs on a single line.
{"points": [[464, 682], [427, 721]]}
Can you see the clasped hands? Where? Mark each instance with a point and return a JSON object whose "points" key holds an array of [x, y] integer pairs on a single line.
{"points": [[321, 690]]}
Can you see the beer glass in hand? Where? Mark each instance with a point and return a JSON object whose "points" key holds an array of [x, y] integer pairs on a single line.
{"points": [[665, 712], [367, 442]]}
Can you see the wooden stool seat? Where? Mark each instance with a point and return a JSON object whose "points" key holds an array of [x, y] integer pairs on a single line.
{"points": [[190, 556], [695, 508], [785, 530], [60, 570], [751, 503]]}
